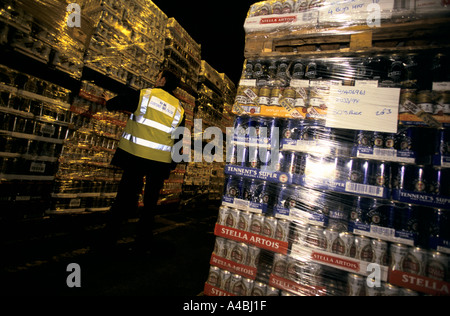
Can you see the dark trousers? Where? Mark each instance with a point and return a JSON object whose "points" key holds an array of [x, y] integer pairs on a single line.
{"points": [[126, 203]]}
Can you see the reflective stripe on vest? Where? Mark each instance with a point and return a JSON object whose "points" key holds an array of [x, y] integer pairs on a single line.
{"points": [[148, 133]]}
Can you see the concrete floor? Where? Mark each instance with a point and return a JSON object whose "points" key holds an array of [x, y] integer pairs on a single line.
{"points": [[36, 256]]}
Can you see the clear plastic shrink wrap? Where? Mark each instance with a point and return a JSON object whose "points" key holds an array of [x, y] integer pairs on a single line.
{"points": [[337, 175]]}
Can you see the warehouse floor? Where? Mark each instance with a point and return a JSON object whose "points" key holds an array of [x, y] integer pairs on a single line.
{"points": [[36, 255]]}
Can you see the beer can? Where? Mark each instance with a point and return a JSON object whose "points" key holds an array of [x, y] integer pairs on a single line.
{"points": [[380, 173], [407, 292], [311, 70], [265, 96], [262, 193], [254, 123], [293, 272], [406, 218], [395, 69], [411, 71], [282, 231], [439, 68], [313, 274], [380, 252], [235, 187], [374, 290], [257, 224], [220, 247], [379, 213], [364, 250], [279, 265], [248, 69], [365, 139], [245, 219], [247, 287], [439, 225], [225, 277], [419, 180], [214, 276], [290, 95], [238, 155], [309, 131], [229, 246], [315, 237], [298, 70], [275, 95], [271, 291], [398, 253], [436, 176], [437, 266], [269, 227], [425, 101], [253, 157], [235, 284], [442, 103], [222, 217], [291, 128], [407, 95], [299, 232], [239, 253], [355, 284], [247, 188], [291, 162], [347, 244], [415, 261], [391, 290], [232, 219], [241, 125], [331, 239], [405, 139], [259, 289], [359, 171], [253, 256], [378, 140]]}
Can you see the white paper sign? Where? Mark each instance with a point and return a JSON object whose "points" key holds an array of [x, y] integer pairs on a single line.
{"points": [[354, 11], [363, 108]]}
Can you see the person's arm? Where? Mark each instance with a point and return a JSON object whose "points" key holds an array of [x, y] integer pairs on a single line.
{"points": [[127, 102]]}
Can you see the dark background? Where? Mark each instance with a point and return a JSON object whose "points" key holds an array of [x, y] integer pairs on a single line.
{"points": [[218, 26]]}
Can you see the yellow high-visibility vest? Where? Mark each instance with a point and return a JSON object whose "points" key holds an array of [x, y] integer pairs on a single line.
{"points": [[148, 133]]}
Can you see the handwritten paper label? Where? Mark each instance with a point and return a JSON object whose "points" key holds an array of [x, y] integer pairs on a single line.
{"points": [[363, 108], [353, 10]]}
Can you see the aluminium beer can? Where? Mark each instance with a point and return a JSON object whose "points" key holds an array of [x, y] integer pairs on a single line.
{"points": [[269, 227], [257, 224], [355, 284], [416, 261], [245, 220], [364, 250], [437, 266], [214, 276], [225, 277], [259, 289]]}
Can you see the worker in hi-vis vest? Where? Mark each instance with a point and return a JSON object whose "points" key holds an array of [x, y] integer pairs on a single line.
{"points": [[145, 150]]}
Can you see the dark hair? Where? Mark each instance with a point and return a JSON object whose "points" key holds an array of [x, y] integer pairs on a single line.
{"points": [[172, 80]]}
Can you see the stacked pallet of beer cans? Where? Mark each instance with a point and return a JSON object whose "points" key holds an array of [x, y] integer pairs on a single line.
{"points": [[351, 197], [35, 119], [85, 181], [128, 42]]}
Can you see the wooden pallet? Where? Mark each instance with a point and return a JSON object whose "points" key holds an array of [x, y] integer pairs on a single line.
{"points": [[346, 41]]}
